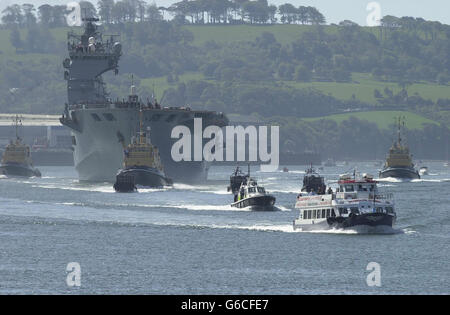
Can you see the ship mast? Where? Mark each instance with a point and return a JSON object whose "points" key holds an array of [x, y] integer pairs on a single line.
{"points": [[142, 139], [17, 121]]}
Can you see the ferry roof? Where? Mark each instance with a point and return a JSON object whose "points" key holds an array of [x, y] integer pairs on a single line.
{"points": [[30, 119]]}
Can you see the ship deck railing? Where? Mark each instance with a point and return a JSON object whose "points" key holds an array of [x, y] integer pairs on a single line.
{"points": [[124, 105]]}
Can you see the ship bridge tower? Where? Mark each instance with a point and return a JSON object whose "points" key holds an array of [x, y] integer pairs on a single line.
{"points": [[90, 55]]}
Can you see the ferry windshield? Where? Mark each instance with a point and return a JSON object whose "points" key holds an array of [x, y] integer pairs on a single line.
{"points": [[349, 188]]}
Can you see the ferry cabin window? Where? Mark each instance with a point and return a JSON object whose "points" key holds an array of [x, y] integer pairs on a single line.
{"points": [[252, 190], [328, 213], [362, 188], [379, 210], [324, 212], [354, 210], [349, 188], [261, 190], [314, 214], [309, 214], [343, 211]]}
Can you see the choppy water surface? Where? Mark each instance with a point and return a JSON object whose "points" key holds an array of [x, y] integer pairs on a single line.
{"points": [[188, 240]]}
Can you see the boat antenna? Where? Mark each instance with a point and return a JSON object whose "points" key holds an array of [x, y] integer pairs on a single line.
{"points": [[17, 121], [153, 92], [399, 131], [141, 131]]}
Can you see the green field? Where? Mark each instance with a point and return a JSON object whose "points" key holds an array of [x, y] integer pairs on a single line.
{"points": [[384, 119], [363, 86], [284, 34]]}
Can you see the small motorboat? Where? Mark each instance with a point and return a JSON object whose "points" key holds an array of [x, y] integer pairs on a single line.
{"points": [[253, 197], [423, 171]]}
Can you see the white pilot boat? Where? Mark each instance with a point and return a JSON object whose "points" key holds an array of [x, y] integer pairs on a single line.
{"points": [[356, 202], [254, 197]]}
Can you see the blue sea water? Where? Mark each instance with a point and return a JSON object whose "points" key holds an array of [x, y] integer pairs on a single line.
{"points": [[188, 240]]}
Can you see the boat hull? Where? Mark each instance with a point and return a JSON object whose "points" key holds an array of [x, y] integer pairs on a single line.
{"points": [[257, 203], [98, 152], [371, 220], [398, 172], [146, 177], [20, 170]]}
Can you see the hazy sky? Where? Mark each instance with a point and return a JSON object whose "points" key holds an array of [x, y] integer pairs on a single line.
{"points": [[334, 10]]}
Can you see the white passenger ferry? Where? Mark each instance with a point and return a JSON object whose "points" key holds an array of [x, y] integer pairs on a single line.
{"points": [[356, 202]]}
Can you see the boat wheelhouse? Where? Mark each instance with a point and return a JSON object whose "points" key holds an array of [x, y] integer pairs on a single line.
{"points": [[236, 179], [356, 202]]}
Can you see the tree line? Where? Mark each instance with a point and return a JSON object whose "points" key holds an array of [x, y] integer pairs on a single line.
{"points": [[183, 12]]}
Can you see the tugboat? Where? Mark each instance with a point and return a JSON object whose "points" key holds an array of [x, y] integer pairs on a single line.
{"points": [[16, 160], [141, 163], [399, 161], [236, 180], [356, 202], [254, 197]]}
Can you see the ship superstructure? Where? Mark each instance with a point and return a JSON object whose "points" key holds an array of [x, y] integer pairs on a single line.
{"points": [[99, 124]]}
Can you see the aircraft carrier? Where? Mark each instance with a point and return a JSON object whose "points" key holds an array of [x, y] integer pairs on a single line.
{"points": [[99, 124]]}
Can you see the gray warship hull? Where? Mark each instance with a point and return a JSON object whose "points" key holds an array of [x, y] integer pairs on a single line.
{"points": [[97, 134]]}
